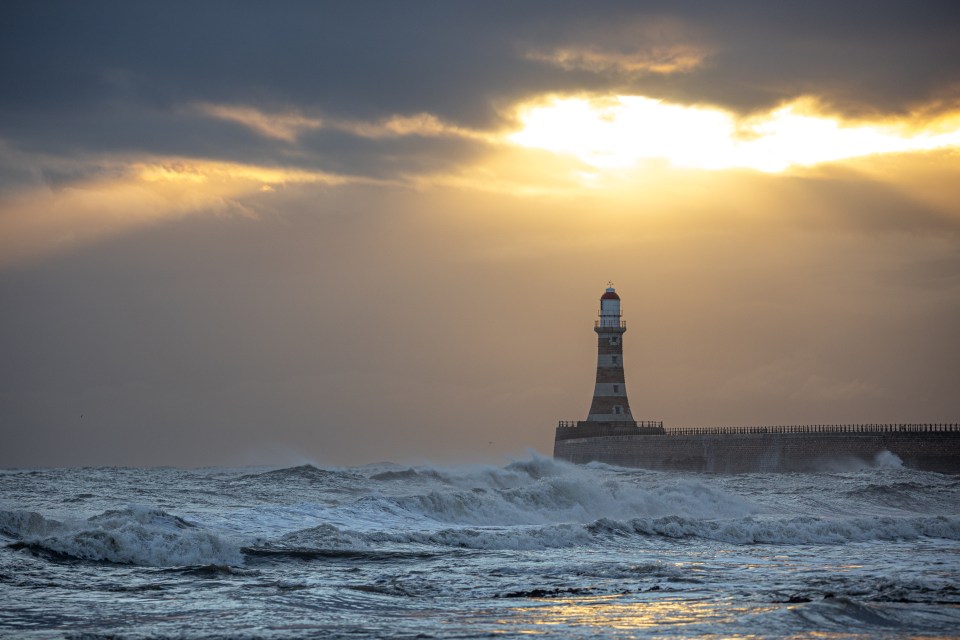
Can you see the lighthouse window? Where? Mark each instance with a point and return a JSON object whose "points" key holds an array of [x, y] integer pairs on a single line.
{"points": [[614, 341], [614, 359], [618, 409], [616, 388]]}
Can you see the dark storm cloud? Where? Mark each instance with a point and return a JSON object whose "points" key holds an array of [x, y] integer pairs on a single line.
{"points": [[137, 131], [107, 76], [363, 59], [859, 57]]}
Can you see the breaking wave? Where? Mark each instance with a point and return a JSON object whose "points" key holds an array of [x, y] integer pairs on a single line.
{"points": [[136, 535], [544, 505], [541, 491], [540, 503], [531, 504]]}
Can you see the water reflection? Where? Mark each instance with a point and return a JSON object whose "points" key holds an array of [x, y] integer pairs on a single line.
{"points": [[623, 613]]}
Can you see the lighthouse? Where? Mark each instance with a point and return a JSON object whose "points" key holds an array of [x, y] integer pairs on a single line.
{"points": [[610, 412], [610, 402]]}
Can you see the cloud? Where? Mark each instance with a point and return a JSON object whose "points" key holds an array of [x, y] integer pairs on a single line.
{"points": [[288, 125], [348, 62], [421, 124], [335, 88], [122, 195], [54, 203], [281, 126], [660, 60]]}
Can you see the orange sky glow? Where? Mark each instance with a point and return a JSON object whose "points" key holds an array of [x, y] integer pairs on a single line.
{"points": [[379, 256]]}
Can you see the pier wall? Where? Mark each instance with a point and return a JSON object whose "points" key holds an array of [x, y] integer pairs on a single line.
{"points": [[747, 452]]}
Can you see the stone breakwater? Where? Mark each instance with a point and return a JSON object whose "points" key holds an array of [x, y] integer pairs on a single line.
{"points": [[752, 450]]}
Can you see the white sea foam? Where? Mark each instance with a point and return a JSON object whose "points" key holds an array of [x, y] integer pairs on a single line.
{"points": [[540, 503], [543, 491], [887, 460]]}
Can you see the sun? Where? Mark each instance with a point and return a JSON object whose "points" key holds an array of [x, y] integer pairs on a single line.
{"points": [[618, 132]]}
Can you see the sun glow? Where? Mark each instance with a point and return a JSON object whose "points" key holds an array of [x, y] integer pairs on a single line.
{"points": [[123, 194], [620, 132]]}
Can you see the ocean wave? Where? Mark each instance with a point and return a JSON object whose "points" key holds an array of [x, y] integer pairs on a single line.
{"points": [[325, 535], [535, 492], [845, 613], [362, 555], [406, 474], [528, 538], [574, 496], [330, 540], [906, 496], [301, 473], [799, 530], [18, 524], [515, 474], [136, 535]]}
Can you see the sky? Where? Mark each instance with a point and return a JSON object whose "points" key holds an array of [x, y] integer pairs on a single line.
{"points": [[240, 233]]}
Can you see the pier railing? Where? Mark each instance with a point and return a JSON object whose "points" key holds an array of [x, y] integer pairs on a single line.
{"points": [[919, 427], [924, 427]]}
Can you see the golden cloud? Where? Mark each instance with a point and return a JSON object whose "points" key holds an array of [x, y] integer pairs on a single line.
{"points": [[286, 126], [290, 125]]}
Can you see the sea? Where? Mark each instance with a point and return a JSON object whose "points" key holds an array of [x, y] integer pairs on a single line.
{"points": [[535, 547]]}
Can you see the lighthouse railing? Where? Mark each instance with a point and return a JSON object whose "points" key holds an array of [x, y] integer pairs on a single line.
{"points": [[643, 424], [612, 324]]}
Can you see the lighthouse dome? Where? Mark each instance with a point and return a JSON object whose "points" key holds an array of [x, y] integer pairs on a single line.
{"points": [[610, 294]]}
